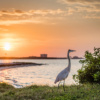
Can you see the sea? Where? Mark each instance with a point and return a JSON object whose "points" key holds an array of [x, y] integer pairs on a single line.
{"points": [[46, 74]]}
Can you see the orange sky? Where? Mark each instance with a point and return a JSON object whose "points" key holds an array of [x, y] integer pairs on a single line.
{"points": [[49, 26]]}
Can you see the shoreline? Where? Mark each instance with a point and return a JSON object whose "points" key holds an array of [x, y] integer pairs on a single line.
{"points": [[39, 58], [4, 66], [19, 63]]}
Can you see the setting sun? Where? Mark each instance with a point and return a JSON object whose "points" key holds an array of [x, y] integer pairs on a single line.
{"points": [[7, 46]]}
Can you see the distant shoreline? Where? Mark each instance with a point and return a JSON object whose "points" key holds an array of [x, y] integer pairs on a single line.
{"points": [[37, 58]]}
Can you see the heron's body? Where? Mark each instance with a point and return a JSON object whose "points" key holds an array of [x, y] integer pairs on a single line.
{"points": [[64, 73]]}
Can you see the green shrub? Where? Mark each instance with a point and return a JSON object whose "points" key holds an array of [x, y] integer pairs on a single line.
{"points": [[90, 71]]}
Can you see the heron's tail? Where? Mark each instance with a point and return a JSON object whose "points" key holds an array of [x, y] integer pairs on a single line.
{"points": [[55, 81]]}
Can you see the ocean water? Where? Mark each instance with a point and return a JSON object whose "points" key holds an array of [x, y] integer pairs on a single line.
{"points": [[39, 75]]}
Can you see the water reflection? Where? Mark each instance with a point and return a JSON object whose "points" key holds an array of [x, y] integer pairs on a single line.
{"points": [[40, 75], [6, 61]]}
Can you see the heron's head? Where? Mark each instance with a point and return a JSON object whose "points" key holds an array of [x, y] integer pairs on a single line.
{"points": [[71, 50]]}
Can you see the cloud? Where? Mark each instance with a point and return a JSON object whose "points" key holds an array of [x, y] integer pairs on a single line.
{"points": [[45, 12], [31, 12], [18, 11], [91, 3], [31, 16], [70, 11], [87, 9], [97, 6], [92, 17], [81, 1], [10, 22], [14, 12], [83, 7]]}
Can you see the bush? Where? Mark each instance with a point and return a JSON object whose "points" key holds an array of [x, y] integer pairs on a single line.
{"points": [[90, 71]]}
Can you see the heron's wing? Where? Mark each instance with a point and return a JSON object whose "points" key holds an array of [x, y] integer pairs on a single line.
{"points": [[62, 75]]}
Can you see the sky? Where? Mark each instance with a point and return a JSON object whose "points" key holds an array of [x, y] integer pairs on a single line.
{"points": [[34, 27]]}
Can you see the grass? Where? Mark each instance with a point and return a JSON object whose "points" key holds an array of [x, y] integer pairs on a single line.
{"points": [[73, 92]]}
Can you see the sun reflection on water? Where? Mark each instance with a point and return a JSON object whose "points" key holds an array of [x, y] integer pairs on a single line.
{"points": [[6, 61]]}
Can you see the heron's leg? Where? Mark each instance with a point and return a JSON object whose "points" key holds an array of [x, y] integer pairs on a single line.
{"points": [[59, 84], [63, 85]]}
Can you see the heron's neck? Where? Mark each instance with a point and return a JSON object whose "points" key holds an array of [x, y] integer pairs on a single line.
{"points": [[69, 62]]}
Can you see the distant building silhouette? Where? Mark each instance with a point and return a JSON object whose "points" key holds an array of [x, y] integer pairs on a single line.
{"points": [[43, 55], [76, 57]]}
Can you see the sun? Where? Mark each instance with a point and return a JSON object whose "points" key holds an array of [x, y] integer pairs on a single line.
{"points": [[7, 46]]}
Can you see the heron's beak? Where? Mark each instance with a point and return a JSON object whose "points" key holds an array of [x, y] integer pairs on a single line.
{"points": [[73, 50]]}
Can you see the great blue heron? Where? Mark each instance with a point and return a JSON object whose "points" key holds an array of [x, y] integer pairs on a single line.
{"points": [[64, 73]]}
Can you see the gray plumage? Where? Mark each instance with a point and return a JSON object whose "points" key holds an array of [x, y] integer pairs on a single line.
{"points": [[64, 73]]}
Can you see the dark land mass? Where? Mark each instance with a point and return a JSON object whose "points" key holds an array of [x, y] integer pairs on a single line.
{"points": [[20, 64], [33, 57]]}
